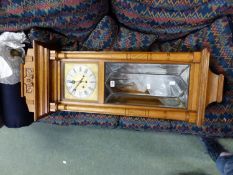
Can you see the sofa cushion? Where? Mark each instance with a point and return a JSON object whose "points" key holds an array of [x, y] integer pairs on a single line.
{"points": [[130, 40], [138, 123], [102, 37], [169, 19], [82, 119], [72, 18], [108, 35]]}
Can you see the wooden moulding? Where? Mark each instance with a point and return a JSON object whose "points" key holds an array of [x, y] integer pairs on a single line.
{"points": [[27, 80], [161, 57], [138, 111], [210, 87], [215, 88], [34, 80], [202, 91], [41, 79]]}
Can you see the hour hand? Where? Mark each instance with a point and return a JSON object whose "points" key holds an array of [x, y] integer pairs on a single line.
{"points": [[71, 81]]}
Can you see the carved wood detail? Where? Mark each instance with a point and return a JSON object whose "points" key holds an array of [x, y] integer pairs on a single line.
{"points": [[28, 80]]}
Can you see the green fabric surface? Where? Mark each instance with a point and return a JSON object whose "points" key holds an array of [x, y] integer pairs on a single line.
{"points": [[42, 148]]}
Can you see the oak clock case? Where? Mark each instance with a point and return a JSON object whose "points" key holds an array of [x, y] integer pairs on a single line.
{"points": [[172, 86]]}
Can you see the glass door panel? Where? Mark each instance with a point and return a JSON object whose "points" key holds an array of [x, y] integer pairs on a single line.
{"points": [[163, 85]]}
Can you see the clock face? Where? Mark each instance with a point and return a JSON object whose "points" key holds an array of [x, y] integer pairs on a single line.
{"points": [[80, 81]]}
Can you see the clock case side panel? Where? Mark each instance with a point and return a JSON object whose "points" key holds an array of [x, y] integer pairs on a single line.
{"points": [[35, 80], [42, 80], [210, 87], [55, 80]]}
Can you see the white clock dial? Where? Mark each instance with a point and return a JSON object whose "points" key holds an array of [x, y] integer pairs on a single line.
{"points": [[80, 81]]}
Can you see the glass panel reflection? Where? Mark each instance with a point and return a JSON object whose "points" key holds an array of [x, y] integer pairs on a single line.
{"points": [[163, 85]]}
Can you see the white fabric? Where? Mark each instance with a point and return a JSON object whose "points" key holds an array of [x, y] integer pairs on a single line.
{"points": [[10, 65], [5, 69], [13, 40]]}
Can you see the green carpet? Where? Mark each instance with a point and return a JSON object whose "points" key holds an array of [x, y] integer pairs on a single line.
{"points": [[42, 148]]}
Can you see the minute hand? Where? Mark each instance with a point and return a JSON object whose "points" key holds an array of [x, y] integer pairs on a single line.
{"points": [[79, 82]]}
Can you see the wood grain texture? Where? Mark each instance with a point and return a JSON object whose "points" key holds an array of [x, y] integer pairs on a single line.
{"points": [[194, 85], [131, 56], [101, 82], [215, 88], [47, 83], [203, 81], [27, 80], [41, 80]]}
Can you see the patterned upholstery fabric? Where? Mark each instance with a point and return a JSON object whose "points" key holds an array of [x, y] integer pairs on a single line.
{"points": [[138, 123], [74, 18], [170, 19], [102, 37], [81, 119], [166, 25], [108, 35], [216, 129], [211, 129], [129, 40]]}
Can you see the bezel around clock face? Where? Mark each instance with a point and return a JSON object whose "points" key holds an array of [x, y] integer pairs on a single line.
{"points": [[80, 81]]}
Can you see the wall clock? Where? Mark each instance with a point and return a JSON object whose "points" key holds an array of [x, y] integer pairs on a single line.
{"points": [[172, 86]]}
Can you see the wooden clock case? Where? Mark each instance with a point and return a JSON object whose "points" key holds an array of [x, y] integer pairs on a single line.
{"points": [[42, 83]]}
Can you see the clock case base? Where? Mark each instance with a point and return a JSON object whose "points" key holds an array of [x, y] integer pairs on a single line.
{"points": [[41, 83]]}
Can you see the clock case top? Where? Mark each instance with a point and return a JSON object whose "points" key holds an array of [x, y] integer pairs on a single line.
{"points": [[42, 83]]}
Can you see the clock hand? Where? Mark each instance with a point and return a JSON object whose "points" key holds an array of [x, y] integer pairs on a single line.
{"points": [[79, 82], [73, 81]]}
